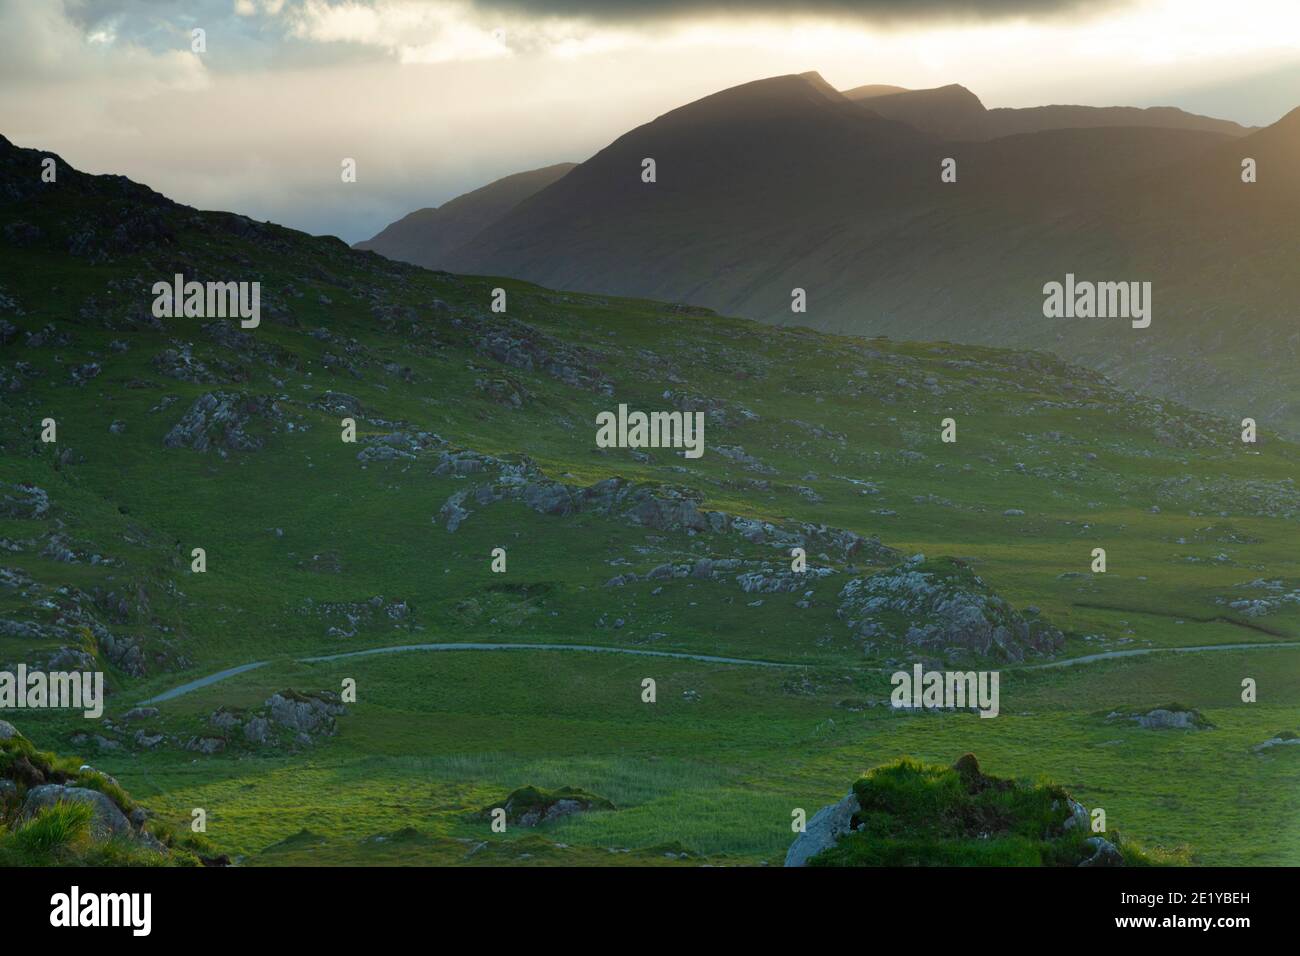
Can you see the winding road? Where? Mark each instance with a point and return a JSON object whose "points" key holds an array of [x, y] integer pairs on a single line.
{"points": [[593, 648], [676, 655], [1137, 652]]}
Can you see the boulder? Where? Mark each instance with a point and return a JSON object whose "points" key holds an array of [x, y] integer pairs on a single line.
{"points": [[1161, 719], [305, 714], [827, 825], [108, 822]]}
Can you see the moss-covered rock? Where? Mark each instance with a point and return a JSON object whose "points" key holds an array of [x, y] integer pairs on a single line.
{"points": [[909, 813], [532, 806], [1171, 716]]}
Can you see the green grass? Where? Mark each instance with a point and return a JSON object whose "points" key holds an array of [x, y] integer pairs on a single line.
{"points": [[435, 737]]}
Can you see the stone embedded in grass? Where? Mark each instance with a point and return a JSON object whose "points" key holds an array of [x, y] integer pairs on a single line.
{"points": [[532, 806], [1173, 716], [1283, 738]]}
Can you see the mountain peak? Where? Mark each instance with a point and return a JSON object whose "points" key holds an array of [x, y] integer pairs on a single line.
{"points": [[815, 80]]}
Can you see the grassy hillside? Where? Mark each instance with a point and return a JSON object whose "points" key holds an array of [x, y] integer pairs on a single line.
{"points": [[475, 431]]}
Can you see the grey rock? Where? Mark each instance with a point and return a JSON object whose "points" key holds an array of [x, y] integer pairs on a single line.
{"points": [[147, 741], [1078, 816], [23, 501], [219, 420], [225, 720], [1105, 853], [257, 730], [827, 826], [108, 821], [206, 745], [1161, 719], [304, 714]]}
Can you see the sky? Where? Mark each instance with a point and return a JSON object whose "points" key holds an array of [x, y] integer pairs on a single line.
{"points": [[433, 98]]}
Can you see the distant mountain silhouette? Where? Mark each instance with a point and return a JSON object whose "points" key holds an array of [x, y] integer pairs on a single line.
{"points": [[954, 112], [425, 236], [782, 184], [873, 90]]}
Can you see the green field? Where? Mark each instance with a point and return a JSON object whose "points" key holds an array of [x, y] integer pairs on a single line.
{"points": [[803, 428]]}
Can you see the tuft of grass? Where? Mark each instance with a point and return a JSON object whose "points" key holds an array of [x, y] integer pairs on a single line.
{"points": [[55, 829]]}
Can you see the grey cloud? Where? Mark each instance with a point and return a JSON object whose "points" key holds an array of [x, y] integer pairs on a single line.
{"points": [[867, 10]]}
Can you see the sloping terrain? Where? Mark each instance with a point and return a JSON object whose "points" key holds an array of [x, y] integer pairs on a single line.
{"points": [[475, 431], [783, 184], [426, 236]]}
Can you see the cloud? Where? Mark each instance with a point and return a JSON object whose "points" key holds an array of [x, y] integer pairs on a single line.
{"points": [[408, 31], [43, 47], [878, 11]]}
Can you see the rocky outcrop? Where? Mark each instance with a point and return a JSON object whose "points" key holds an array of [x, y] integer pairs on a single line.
{"points": [[942, 606], [658, 507], [288, 717], [524, 347], [306, 714], [23, 501], [221, 420]]}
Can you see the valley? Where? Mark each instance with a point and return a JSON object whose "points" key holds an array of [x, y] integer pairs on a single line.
{"points": [[475, 431]]}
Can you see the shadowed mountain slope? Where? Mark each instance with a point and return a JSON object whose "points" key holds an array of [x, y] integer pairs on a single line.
{"points": [[775, 186], [954, 112], [426, 236]]}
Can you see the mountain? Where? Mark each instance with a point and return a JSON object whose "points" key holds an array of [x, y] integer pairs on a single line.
{"points": [[955, 113], [779, 185], [426, 236], [873, 90], [949, 112], [329, 561]]}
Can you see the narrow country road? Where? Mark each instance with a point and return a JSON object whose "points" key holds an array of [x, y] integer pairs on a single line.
{"points": [[677, 655], [592, 648]]}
